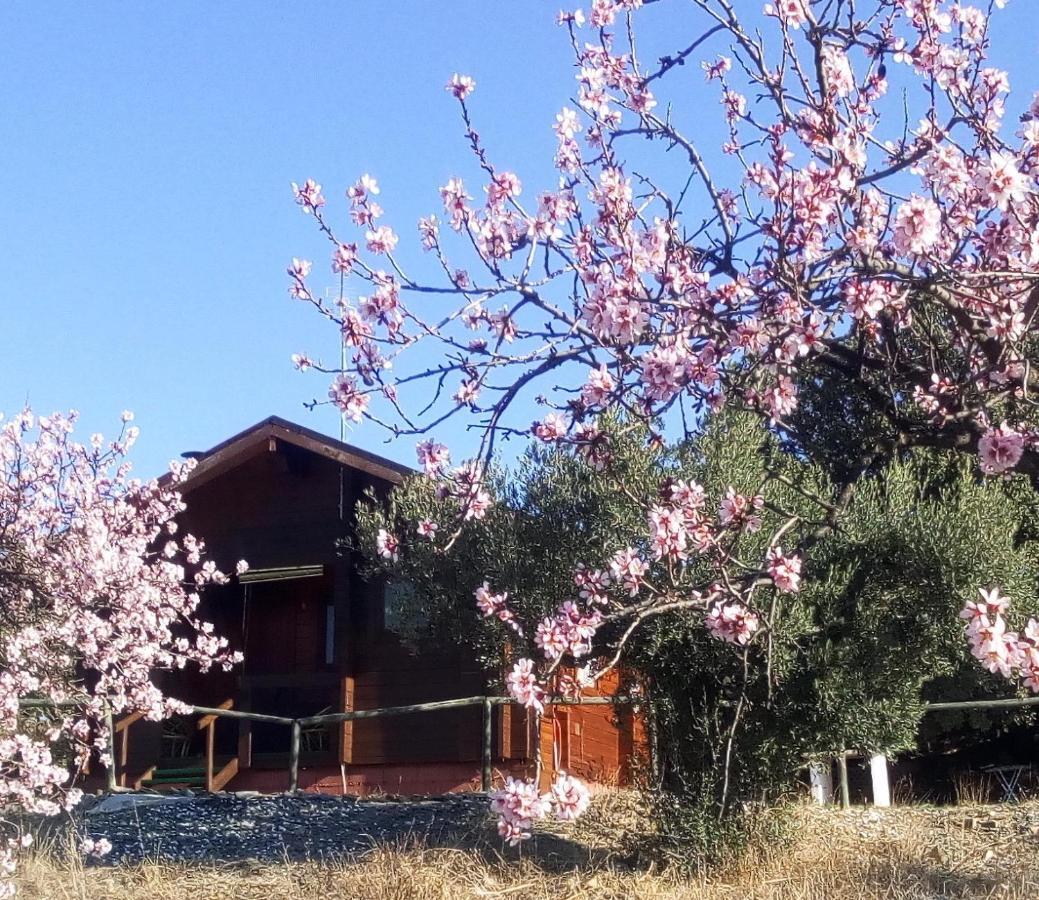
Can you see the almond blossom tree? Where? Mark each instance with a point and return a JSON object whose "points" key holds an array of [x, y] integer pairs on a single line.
{"points": [[868, 212], [94, 598]]}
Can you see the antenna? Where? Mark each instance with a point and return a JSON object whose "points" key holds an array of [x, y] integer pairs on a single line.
{"points": [[342, 366], [340, 298]]}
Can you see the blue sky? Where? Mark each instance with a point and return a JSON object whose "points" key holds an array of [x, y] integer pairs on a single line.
{"points": [[147, 154], [147, 216]]}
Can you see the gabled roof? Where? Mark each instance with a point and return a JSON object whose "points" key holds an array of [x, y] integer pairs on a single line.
{"points": [[264, 436]]}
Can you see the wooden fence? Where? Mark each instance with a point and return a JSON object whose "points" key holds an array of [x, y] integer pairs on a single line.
{"points": [[209, 715], [216, 779]]}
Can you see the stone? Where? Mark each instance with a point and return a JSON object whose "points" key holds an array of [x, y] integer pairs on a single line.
{"points": [[118, 803]]}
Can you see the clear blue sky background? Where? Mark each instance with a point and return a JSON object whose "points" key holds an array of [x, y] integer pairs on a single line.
{"points": [[147, 151]]}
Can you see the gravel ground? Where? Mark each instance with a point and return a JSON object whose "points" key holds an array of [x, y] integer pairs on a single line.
{"points": [[237, 828]]}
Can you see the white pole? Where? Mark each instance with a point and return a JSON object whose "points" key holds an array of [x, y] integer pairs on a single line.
{"points": [[820, 778], [881, 788]]}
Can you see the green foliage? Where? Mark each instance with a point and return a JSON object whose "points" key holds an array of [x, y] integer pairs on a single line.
{"points": [[550, 512], [847, 662]]}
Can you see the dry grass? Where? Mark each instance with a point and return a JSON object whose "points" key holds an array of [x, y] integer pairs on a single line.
{"points": [[901, 854]]}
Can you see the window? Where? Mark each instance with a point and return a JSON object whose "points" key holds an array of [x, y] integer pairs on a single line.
{"points": [[401, 611], [330, 634]]}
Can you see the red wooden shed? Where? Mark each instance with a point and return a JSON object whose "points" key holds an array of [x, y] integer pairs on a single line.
{"points": [[317, 637]]}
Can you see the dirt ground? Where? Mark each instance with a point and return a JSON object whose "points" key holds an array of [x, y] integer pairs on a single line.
{"points": [[905, 853]]}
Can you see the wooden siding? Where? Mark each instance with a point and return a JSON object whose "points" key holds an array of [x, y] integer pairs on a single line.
{"points": [[283, 505], [276, 503], [601, 743]]}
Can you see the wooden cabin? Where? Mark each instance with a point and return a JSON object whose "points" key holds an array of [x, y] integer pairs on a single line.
{"points": [[319, 638]]}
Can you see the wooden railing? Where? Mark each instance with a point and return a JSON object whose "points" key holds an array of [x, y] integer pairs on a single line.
{"points": [[216, 780], [122, 729]]}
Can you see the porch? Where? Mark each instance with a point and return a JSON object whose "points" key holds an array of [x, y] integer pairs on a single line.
{"points": [[307, 753]]}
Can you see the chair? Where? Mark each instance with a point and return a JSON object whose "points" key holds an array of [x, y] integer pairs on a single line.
{"points": [[314, 738], [176, 739]]}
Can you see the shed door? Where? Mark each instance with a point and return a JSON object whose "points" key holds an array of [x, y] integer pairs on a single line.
{"points": [[285, 625]]}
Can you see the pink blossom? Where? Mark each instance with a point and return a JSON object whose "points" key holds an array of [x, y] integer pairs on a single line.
{"points": [[387, 545], [97, 848], [992, 604], [575, 18], [917, 225], [488, 603], [364, 187], [433, 457], [837, 68], [309, 195], [300, 268], [343, 258], [1003, 181], [461, 86], [739, 511], [570, 631], [496, 605], [455, 202], [551, 428], [518, 805], [592, 584], [570, 797], [1000, 449], [427, 528], [667, 532], [468, 392], [524, 687], [381, 240], [351, 401], [597, 390], [503, 186], [732, 622], [717, 69], [628, 568], [785, 571], [781, 400], [791, 13]]}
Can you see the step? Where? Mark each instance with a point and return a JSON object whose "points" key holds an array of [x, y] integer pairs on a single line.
{"points": [[172, 782], [175, 786], [191, 772]]}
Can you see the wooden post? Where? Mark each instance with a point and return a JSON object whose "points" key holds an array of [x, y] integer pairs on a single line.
{"points": [[346, 729], [245, 744], [485, 768], [245, 731], [210, 736], [881, 787], [820, 778], [110, 783], [294, 757], [842, 770], [124, 755]]}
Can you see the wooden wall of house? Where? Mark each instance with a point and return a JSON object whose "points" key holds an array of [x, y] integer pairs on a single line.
{"points": [[602, 743], [274, 509], [280, 508], [387, 672]]}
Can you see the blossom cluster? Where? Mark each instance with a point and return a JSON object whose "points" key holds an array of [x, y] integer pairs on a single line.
{"points": [[732, 622], [519, 805], [833, 239], [496, 605], [1007, 653], [99, 589]]}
